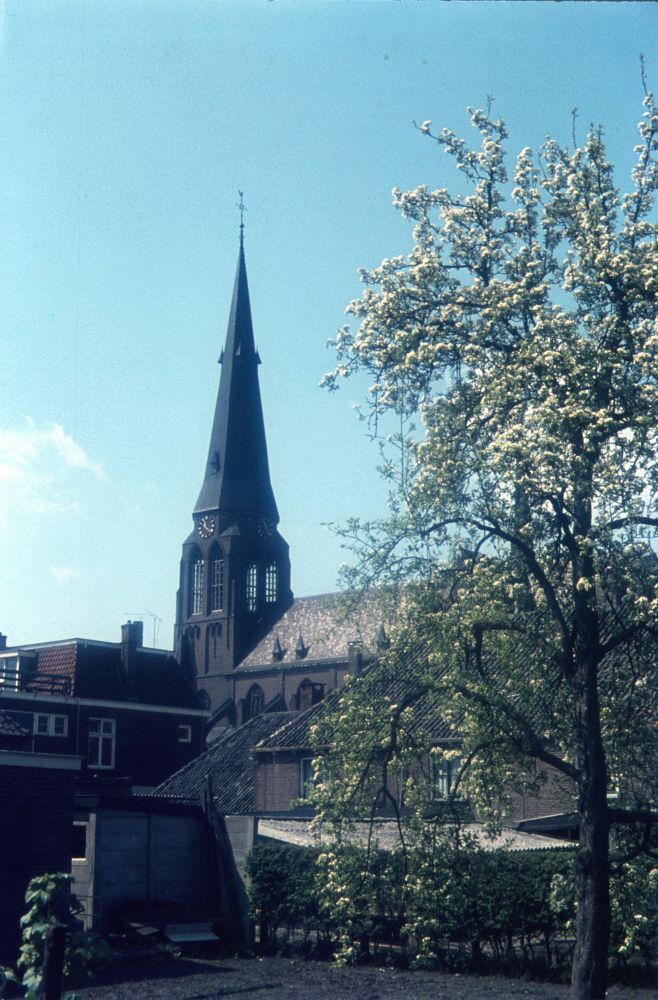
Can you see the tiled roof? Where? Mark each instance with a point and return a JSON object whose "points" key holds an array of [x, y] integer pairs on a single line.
{"points": [[425, 712], [87, 669], [54, 670], [324, 630], [386, 836], [230, 766], [9, 727]]}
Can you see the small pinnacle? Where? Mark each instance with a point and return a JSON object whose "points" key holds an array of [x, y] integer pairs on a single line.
{"points": [[277, 651]]}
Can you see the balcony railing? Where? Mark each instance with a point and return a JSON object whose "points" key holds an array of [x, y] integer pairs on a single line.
{"points": [[17, 678]]}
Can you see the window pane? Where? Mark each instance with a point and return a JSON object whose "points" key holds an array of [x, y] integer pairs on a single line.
{"points": [[42, 723], [307, 777], [59, 725], [106, 752], [94, 725], [108, 726], [92, 755]]}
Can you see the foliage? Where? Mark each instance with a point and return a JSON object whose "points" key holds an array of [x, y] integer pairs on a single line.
{"points": [[634, 893], [283, 892], [521, 519], [494, 901], [51, 902]]}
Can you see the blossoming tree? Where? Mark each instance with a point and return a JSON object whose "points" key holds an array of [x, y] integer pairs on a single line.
{"points": [[523, 329]]}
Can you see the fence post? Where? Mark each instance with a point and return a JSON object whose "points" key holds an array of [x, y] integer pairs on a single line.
{"points": [[53, 962]]}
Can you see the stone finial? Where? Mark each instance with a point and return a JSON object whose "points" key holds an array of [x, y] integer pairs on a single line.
{"points": [[300, 649]]}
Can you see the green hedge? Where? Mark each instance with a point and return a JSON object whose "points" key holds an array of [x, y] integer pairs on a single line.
{"points": [[447, 908]]}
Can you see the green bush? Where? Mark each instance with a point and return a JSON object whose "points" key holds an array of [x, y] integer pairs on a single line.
{"points": [[284, 893]]}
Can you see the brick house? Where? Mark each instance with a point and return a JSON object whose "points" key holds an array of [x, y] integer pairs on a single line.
{"points": [[36, 826], [128, 711]]}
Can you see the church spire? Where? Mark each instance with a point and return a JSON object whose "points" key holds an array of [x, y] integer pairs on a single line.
{"points": [[237, 477]]}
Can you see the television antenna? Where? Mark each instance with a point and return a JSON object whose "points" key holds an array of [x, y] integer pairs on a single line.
{"points": [[156, 622]]}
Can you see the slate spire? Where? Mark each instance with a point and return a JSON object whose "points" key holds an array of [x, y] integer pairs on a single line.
{"points": [[237, 477]]}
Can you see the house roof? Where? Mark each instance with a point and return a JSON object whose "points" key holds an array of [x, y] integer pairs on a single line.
{"points": [[230, 766], [9, 727], [386, 836], [85, 668], [325, 630]]}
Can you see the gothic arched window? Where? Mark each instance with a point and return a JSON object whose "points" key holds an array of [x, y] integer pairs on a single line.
{"points": [[216, 580], [254, 702], [270, 583], [252, 587], [196, 584]]}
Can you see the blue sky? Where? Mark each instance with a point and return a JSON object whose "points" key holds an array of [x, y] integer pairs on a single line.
{"points": [[127, 130]]}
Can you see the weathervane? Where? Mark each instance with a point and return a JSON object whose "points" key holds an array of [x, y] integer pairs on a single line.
{"points": [[243, 209]]}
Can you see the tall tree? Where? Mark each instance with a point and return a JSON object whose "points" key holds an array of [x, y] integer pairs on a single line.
{"points": [[527, 341]]}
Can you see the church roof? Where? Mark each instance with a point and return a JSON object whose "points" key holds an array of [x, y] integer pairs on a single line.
{"points": [[426, 715], [237, 476], [325, 631]]}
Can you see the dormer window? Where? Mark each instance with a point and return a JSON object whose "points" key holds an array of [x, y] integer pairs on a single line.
{"points": [[270, 583], [252, 587]]}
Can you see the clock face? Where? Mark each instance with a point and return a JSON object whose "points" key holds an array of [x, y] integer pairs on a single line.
{"points": [[206, 526], [264, 527]]}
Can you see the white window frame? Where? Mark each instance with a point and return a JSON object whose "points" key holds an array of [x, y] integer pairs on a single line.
{"points": [[184, 734], [10, 672], [50, 729], [444, 775], [306, 777], [107, 729]]}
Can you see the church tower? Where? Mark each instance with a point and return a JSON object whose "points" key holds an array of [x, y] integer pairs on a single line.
{"points": [[235, 569]]}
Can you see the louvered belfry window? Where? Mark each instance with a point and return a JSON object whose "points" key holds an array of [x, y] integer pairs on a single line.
{"points": [[197, 586], [252, 587], [217, 585], [270, 583]]}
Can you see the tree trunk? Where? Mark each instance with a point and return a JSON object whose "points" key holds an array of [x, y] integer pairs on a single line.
{"points": [[589, 971]]}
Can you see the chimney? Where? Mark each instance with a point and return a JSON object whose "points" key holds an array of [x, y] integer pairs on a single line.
{"points": [[305, 696], [132, 636], [355, 657], [3, 641]]}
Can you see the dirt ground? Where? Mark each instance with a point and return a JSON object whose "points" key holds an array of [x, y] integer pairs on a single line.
{"points": [[287, 979]]}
